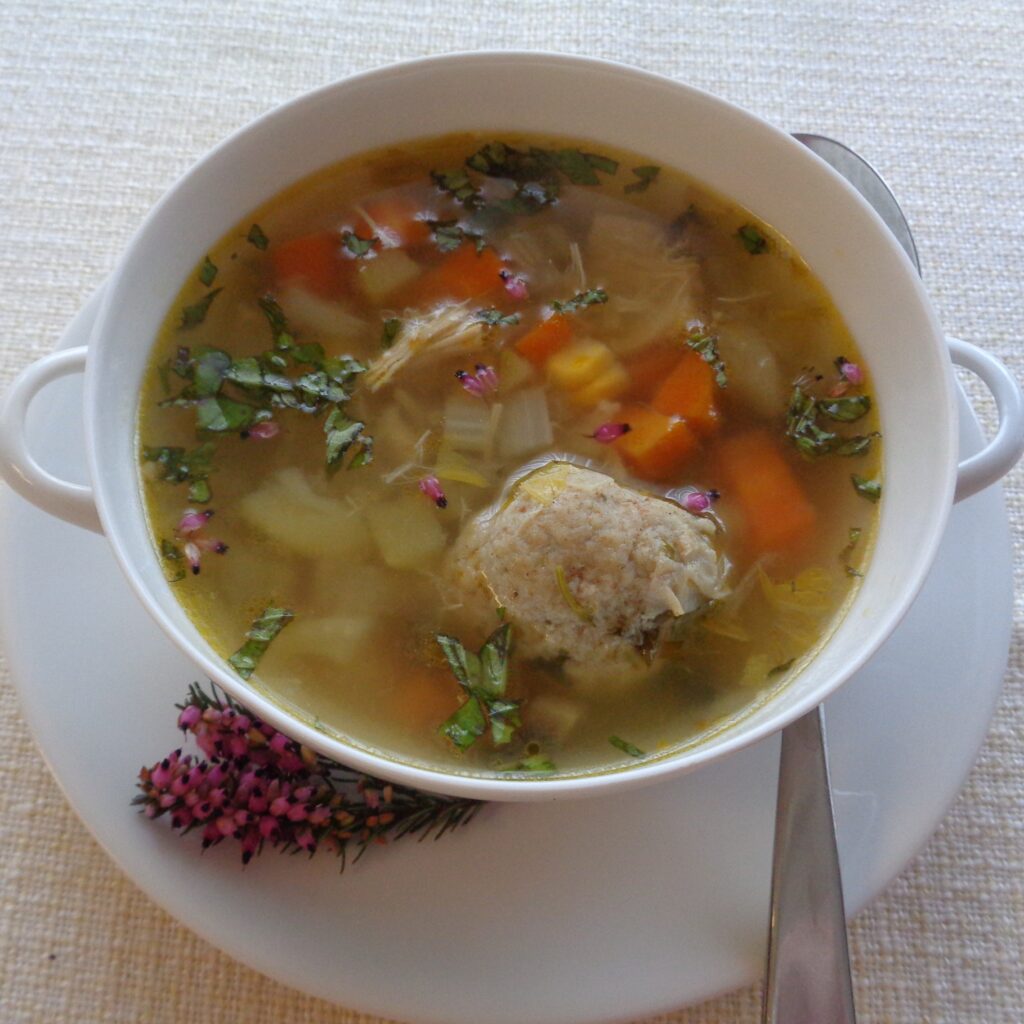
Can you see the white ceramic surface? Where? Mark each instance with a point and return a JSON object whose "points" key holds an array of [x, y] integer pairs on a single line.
{"points": [[585, 911], [864, 269]]}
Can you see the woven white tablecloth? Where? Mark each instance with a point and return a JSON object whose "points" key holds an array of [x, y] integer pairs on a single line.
{"points": [[103, 104]]}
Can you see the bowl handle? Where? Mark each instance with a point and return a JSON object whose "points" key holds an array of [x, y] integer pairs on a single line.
{"points": [[997, 458], [71, 502]]}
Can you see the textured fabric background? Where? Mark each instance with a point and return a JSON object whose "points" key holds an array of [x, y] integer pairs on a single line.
{"points": [[103, 104]]}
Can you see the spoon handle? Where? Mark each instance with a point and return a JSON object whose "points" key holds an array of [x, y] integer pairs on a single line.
{"points": [[808, 960]]}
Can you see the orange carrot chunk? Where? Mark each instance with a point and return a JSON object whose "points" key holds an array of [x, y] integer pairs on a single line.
{"points": [[544, 340], [465, 274], [777, 513], [315, 260], [656, 447], [689, 391], [398, 221], [649, 368]]}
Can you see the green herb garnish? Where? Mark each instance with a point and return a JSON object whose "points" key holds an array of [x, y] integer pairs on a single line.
{"points": [[194, 315], [590, 297], [178, 466], [495, 318], [870, 489], [257, 237], [278, 322], [342, 433], [753, 240], [853, 537], [803, 424], [645, 176], [484, 677], [458, 185], [257, 640], [390, 331], [706, 346], [171, 553], [533, 763], [357, 246], [207, 272], [626, 747], [448, 235]]}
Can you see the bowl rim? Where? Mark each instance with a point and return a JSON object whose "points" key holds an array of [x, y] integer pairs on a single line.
{"points": [[490, 787]]}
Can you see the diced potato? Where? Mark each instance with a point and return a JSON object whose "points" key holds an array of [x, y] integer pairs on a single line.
{"points": [[339, 588], [468, 424], [525, 425], [391, 270], [333, 321], [513, 370], [407, 531], [553, 716], [286, 509], [754, 375], [455, 467], [605, 388], [578, 364], [339, 640]]}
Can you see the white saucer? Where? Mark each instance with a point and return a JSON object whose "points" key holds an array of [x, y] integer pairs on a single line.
{"points": [[584, 911]]}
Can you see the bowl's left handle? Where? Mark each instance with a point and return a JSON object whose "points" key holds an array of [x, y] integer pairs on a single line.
{"points": [[71, 502], [998, 457]]}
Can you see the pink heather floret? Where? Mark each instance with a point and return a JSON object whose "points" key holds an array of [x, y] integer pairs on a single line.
{"points": [[487, 376], [209, 544], [515, 286], [470, 383], [265, 430], [189, 717], [431, 487], [608, 432], [192, 556], [192, 521], [852, 372], [698, 501]]}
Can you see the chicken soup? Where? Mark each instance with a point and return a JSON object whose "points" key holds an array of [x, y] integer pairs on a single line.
{"points": [[509, 454]]}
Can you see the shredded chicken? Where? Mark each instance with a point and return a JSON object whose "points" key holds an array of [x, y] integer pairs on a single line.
{"points": [[442, 331]]}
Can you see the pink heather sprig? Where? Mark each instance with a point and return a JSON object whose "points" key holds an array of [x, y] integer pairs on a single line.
{"points": [[480, 384], [190, 525], [432, 488], [258, 787]]}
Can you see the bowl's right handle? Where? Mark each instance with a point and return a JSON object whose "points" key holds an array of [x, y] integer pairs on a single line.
{"points": [[71, 502], [998, 457]]}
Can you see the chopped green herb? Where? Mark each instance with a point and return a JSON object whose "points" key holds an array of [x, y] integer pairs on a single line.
{"points": [[257, 238], [390, 331], [581, 168], [851, 571], [207, 272], [645, 176], [626, 747], [458, 185], [753, 240], [358, 246], [209, 370], [178, 466], [578, 609], [342, 433], [501, 611], [199, 492], [220, 415], [845, 410], [448, 235], [533, 763], [194, 315], [811, 438], [590, 297], [484, 677], [495, 318], [277, 320], [870, 489], [258, 639], [706, 346], [175, 571], [853, 536]]}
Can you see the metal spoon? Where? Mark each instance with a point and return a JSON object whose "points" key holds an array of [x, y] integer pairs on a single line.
{"points": [[808, 971]]}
